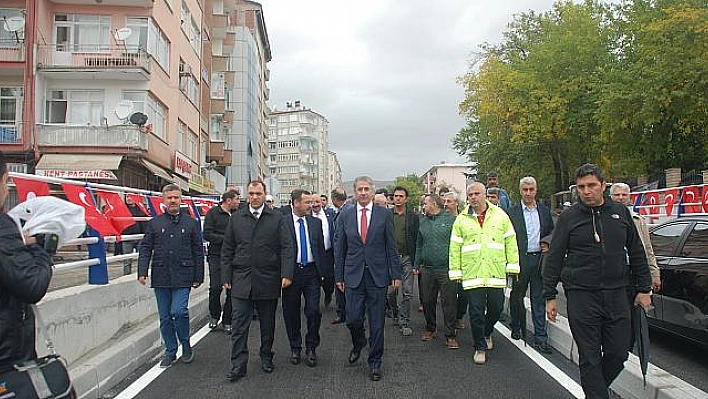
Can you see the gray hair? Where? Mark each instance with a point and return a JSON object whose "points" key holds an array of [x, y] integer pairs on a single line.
{"points": [[366, 179], [452, 194], [171, 187], [528, 180], [493, 190], [616, 186]]}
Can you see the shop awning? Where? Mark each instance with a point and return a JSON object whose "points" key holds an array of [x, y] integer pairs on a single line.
{"points": [[79, 166], [157, 170]]}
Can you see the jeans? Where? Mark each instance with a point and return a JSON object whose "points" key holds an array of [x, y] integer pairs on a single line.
{"points": [[485, 306], [530, 276], [172, 307], [404, 309]]}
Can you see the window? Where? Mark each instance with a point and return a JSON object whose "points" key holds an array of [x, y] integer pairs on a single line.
{"points": [[190, 27], [217, 121], [9, 39], [218, 85], [188, 84], [158, 46], [192, 149], [697, 242], [181, 137], [203, 149], [156, 112], [80, 33], [80, 107], [665, 239], [10, 110]]}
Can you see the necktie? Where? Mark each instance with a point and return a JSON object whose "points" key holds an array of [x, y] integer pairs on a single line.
{"points": [[255, 214], [364, 225], [303, 242]]}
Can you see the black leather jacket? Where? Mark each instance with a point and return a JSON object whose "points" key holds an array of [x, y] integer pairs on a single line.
{"points": [[25, 272]]}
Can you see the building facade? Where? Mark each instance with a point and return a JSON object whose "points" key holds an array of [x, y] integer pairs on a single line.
{"points": [[451, 176], [137, 93], [298, 150]]}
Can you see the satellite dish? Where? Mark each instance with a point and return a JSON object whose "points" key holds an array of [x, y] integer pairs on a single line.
{"points": [[123, 109], [123, 33], [138, 118], [14, 24]]}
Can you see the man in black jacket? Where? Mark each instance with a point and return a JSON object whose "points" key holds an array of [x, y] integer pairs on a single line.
{"points": [[257, 261], [215, 224], [173, 248], [588, 251], [25, 272], [532, 221]]}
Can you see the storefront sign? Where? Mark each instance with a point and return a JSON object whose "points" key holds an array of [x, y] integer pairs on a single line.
{"points": [[183, 166], [77, 174]]}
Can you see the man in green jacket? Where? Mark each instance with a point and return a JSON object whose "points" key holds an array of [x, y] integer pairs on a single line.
{"points": [[483, 252], [432, 253]]}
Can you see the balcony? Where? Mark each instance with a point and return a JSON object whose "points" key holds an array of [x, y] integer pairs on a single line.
{"points": [[218, 153], [12, 53], [11, 134], [122, 3], [123, 136], [93, 62], [218, 25]]}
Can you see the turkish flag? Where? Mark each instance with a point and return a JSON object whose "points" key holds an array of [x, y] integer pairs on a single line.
{"points": [[139, 200], [158, 205], [652, 199], [28, 189], [80, 196], [705, 199], [116, 210], [191, 207], [670, 197], [691, 199]]}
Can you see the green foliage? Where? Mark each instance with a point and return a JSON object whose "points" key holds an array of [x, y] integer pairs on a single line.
{"points": [[624, 86], [415, 188]]}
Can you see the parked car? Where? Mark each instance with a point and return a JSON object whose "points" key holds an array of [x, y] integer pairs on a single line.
{"points": [[681, 306]]}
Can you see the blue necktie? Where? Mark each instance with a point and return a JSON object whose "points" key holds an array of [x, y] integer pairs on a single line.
{"points": [[303, 242]]}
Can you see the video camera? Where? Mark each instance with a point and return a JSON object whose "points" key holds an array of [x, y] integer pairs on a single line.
{"points": [[48, 241]]}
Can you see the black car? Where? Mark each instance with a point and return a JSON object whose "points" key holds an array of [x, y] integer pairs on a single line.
{"points": [[681, 306]]}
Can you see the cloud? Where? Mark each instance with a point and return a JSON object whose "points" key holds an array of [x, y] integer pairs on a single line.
{"points": [[383, 73]]}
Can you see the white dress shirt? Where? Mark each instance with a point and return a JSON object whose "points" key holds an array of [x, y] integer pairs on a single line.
{"points": [[296, 219], [368, 207], [325, 228]]}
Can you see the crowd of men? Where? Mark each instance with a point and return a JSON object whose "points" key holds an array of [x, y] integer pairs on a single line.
{"points": [[367, 253]]}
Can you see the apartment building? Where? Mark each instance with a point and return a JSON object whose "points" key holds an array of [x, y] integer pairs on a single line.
{"points": [[452, 176], [110, 90], [334, 169], [298, 150]]}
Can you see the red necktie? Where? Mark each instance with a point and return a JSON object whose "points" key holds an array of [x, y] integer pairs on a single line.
{"points": [[364, 225]]}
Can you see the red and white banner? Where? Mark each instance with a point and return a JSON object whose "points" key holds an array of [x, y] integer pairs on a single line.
{"points": [[28, 189], [691, 199], [116, 210], [158, 205], [80, 196], [670, 199], [139, 200], [705, 199], [651, 199]]}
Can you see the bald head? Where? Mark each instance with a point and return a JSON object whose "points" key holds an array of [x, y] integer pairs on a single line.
{"points": [[476, 197]]}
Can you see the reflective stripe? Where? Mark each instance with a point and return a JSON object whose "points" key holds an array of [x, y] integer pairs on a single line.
{"points": [[456, 239], [484, 282], [475, 282], [471, 247], [513, 267], [509, 233], [455, 274], [495, 245]]}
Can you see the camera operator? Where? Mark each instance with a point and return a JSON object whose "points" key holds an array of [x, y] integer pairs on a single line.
{"points": [[25, 272]]}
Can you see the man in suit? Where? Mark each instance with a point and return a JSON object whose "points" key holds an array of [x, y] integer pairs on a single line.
{"points": [[257, 261], [308, 244], [366, 262], [327, 219], [532, 221], [339, 202]]}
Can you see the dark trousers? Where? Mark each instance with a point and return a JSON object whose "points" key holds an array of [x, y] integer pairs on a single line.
{"points": [[530, 276], [306, 284], [369, 298], [241, 317], [215, 287], [601, 326], [433, 282], [461, 302], [328, 279], [341, 301], [485, 306]]}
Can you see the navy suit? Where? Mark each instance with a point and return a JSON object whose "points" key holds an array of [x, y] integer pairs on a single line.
{"points": [[328, 276], [307, 280], [530, 272], [366, 269]]}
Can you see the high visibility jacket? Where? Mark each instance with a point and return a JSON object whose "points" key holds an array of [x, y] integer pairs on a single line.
{"points": [[482, 256]]}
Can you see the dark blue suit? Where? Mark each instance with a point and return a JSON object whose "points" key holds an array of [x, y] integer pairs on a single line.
{"points": [[328, 276], [306, 283], [366, 269], [530, 272]]}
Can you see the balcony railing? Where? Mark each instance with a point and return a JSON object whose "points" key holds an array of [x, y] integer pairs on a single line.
{"points": [[128, 136], [12, 53], [91, 57], [11, 133]]}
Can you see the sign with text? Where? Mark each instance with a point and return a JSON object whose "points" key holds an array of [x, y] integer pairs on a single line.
{"points": [[78, 174], [183, 166]]}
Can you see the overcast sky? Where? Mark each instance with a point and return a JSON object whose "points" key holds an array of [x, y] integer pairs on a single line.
{"points": [[383, 73]]}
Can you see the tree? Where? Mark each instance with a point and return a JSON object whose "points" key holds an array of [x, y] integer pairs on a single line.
{"points": [[415, 188]]}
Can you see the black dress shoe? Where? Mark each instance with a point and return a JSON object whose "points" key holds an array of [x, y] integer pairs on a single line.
{"points": [[267, 366], [375, 374], [354, 355], [543, 347], [235, 375], [310, 357], [295, 357], [515, 334], [337, 320]]}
